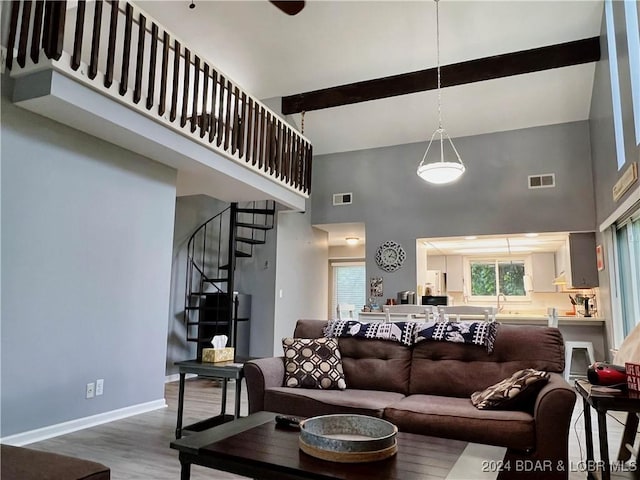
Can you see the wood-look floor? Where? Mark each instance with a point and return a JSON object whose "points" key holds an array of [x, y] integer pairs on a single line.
{"points": [[138, 447]]}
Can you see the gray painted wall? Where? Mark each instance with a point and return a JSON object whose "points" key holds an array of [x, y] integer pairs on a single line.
{"points": [[492, 197], [86, 265], [191, 212], [301, 275], [256, 276], [603, 149]]}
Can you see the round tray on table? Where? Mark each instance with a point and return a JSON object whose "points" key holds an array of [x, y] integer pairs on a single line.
{"points": [[348, 438]]}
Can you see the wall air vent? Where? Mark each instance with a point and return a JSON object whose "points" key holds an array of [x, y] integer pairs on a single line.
{"points": [[545, 180], [342, 198]]}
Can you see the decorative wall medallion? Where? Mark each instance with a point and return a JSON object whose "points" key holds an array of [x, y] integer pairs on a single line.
{"points": [[390, 256]]}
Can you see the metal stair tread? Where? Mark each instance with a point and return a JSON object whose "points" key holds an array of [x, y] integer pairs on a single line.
{"points": [[257, 226], [215, 280], [257, 211], [251, 241]]}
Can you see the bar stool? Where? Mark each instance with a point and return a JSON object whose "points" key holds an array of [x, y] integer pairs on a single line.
{"points": [[569, 347]]}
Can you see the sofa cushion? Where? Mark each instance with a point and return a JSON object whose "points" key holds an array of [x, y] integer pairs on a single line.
{"points": [[310, 328], [367, 364], [457, 418], [313, 363], [458, 370], [512, 392], [309, 403]]}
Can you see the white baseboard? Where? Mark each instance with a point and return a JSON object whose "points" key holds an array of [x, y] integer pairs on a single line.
{"points": [[51, 431], [176, 376]]}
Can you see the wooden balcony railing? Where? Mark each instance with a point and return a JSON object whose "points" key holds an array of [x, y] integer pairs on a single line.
{"points": [[120, 51]]}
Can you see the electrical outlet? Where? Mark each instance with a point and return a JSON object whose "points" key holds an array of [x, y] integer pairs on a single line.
{"points": [[91, 390], [99, 386]]}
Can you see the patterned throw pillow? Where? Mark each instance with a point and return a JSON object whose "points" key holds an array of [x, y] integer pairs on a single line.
{"points": [[313, 363], [511, 392]]}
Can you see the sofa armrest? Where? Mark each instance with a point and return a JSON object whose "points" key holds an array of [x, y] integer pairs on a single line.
{"points": [[261, 374], [553, 409], [552, 413]]}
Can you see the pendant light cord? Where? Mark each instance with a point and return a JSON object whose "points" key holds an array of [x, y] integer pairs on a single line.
{"points": [[438, 64], [443, 171]]}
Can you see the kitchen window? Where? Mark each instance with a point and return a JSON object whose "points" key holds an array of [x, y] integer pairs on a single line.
{"points": [[488, 277]]}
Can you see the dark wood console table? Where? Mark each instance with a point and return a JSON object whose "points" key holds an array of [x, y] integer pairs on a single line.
{"points": [[601, 402], [222, 370]]}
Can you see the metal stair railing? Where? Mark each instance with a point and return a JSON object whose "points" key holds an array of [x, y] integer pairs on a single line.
{"points": [[209, 284]]}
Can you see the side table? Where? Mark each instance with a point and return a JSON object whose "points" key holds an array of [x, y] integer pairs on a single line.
{"points": [[222, 370], [602, 402]]}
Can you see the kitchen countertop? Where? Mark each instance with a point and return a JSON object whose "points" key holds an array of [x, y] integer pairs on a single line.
{"points": [[523, 319], [543, 320]]}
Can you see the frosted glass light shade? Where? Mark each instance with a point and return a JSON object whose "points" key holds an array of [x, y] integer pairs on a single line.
{"points": [[441, 172]]}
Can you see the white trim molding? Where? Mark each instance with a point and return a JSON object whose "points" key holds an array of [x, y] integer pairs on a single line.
{"points": [[51, 431], [624, 207]]}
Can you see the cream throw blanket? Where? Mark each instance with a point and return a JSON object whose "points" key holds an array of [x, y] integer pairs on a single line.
{"points": [[630, 349]]}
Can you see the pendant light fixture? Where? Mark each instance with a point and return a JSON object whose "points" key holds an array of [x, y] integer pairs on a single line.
{"points": [[444, 170]]}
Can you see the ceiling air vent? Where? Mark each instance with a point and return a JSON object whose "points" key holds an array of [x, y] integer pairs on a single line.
{"points": [[342, 198], [546, 180]]}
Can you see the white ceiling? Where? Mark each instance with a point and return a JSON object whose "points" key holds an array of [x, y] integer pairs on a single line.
{"points": [[333, 43]]}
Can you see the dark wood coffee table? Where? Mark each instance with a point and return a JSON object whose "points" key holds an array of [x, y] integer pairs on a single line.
{"points": [[254, 447]]}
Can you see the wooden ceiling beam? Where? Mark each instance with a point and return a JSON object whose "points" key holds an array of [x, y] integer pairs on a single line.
{"points": [[498, 66]]}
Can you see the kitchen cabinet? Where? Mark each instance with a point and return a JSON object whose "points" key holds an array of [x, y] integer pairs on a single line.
{"points": [[452, 266], [576, 260], [455, 273], [543, 266]]}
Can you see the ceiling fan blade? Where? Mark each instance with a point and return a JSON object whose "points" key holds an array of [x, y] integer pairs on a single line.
{"points": [[291, 7]]}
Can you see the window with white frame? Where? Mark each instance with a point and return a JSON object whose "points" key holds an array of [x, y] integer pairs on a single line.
{"points": [[348, 285], [628, 263], [615, 83], [488, 277]]}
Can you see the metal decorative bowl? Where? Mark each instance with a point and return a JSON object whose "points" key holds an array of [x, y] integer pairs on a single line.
{"points": [[348, 438]]}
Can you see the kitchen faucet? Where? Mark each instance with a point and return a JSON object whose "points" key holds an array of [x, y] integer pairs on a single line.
{"points": [[504, 298]]}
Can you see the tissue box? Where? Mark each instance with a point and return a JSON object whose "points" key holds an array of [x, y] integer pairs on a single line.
{"points": [[214, 355], [633, 375]]}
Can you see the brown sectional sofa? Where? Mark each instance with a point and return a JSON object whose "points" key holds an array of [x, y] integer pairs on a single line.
{"points": [[426, 389]]}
